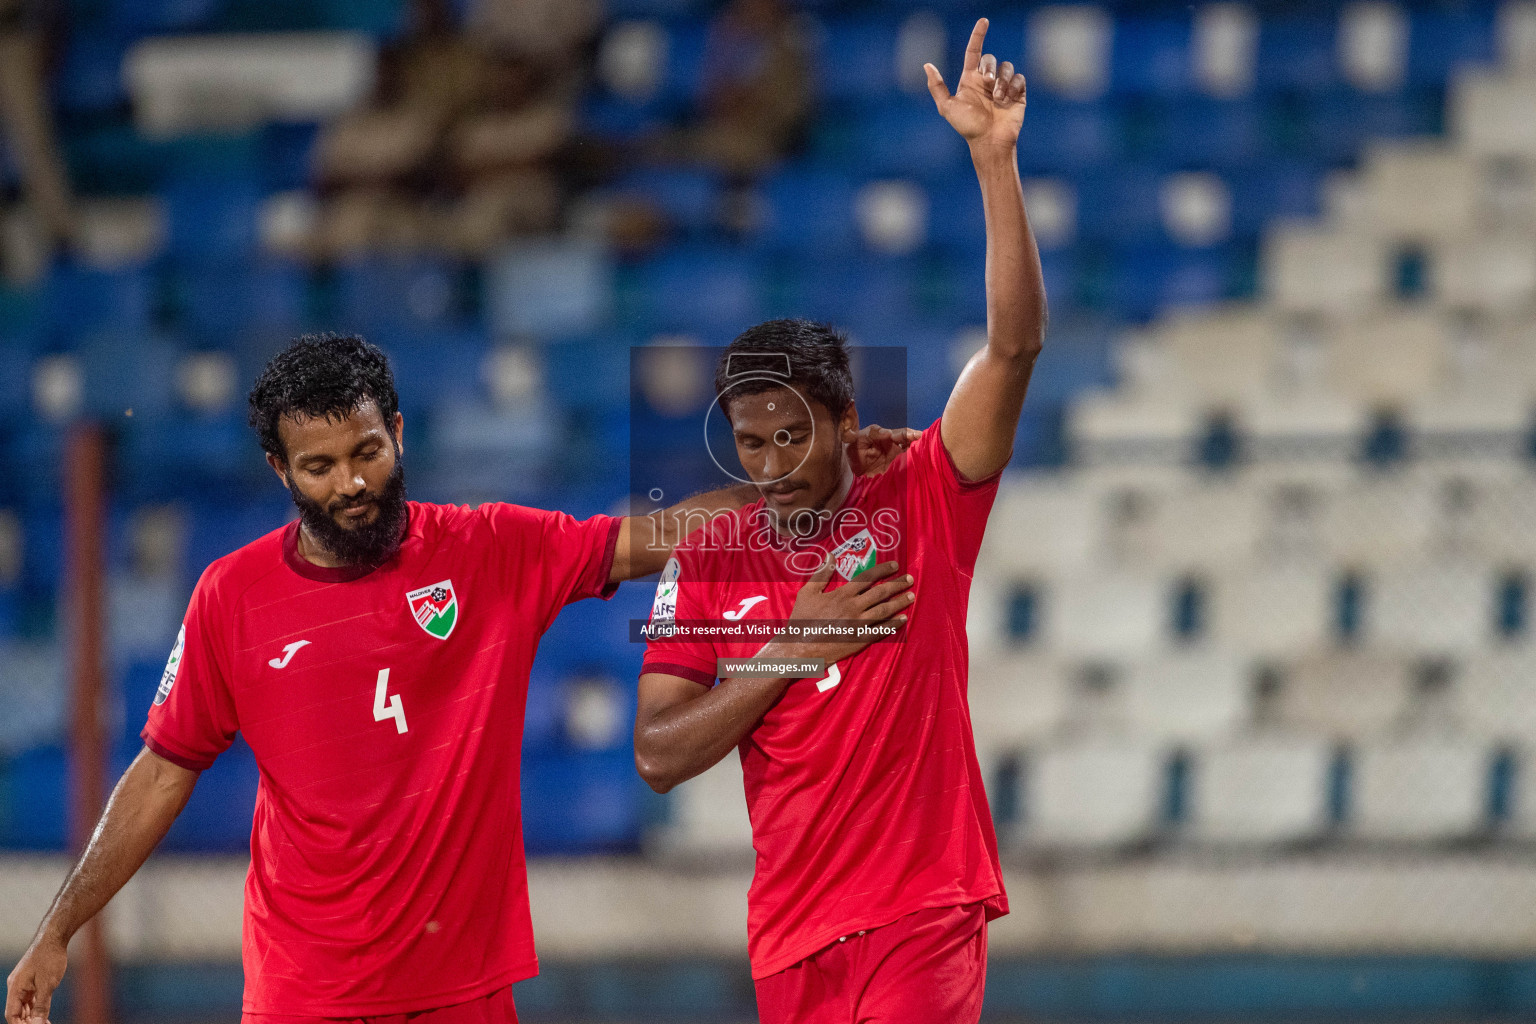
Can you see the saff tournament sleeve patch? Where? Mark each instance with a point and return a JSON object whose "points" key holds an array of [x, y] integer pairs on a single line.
{"points": [[172, 666], [664, 608]]}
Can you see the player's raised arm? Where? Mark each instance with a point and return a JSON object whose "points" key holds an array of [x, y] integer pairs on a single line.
{"points": [[646, 542], [147, 799], [987, 109]]}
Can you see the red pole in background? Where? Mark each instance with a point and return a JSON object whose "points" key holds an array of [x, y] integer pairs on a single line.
{"points": [[85, 562]]}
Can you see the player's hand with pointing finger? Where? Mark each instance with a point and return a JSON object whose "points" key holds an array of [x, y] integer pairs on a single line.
{"points": [[987, 107]]}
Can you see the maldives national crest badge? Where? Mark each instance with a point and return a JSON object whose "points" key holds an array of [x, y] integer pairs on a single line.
{"points": [[855, 555], [435, 608]]}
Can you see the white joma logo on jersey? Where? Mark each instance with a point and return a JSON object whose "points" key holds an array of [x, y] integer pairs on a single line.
{"points": [[746, 606], [288, 653]]}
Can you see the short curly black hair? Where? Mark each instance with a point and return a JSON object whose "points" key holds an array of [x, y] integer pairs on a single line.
{"points": [[779, 353], [320, 375]]}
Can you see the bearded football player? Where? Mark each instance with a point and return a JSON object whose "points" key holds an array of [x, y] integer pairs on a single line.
{"points": [[877, 866], [375, 656]]}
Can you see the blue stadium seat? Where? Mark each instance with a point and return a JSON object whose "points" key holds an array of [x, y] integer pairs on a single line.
{"points": [[867, 295], [89, 78], [212, 217], [581, 803], [618, 9], [15, 381], [1061, 135], [1338, 124], [964, 282], [1297, 54], [399, 293], [124, 372], [1077, 356], [857, 59], [1152, 57], [1121, 205], [219, 300], [683, 79], [34, 804], [611, 117], [217, 819], [711, 290], [218, 525], [1148, 279], [809, 211], [1442, 42], [909, 138], [385, 18], [1201, 132], [1278, 189], [80, 301], [185, 456], [286, 151], [434, 366], [141, 17], [136, 689], [690, 197], [589, 374]]}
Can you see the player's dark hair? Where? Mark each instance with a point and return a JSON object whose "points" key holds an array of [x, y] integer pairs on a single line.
{"points": [[328, 375], [780, 353]]}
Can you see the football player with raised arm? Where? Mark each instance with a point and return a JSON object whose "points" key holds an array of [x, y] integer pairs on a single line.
{"points": [[877, 865]]}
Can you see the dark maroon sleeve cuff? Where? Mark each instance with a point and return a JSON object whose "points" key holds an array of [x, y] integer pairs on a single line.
{"points": [[954, 471], [703, 677], [181, 761], [600, 584]]}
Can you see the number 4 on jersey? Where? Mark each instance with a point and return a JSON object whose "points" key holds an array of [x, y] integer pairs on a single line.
{"points": [[392, 708]]}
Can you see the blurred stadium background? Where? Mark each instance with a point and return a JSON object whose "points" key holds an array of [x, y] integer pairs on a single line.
{"points": [[1253, 668]]}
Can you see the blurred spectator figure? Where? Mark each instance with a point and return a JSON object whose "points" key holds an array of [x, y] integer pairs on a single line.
{"points": [[754, 97], [45, 221], [457, 151]]}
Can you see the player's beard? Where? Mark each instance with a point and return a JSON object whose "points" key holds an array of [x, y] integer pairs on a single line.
{"points": [[367, 543]]}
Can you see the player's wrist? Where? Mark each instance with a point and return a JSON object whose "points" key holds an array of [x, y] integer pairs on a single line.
{"points": [[989, 153]]}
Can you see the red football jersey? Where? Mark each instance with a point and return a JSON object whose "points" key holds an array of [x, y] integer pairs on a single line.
{"points": [[385, 710], [863, 787]]}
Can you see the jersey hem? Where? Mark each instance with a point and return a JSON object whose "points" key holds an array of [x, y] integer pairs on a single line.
{"points": [[996, 904], [382, 1007], [191, 764]]}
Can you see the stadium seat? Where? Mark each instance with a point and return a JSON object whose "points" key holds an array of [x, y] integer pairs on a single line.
{"points": [[146, 16], [706, 819], [35, 802], [1487, 113], [126, 373], [1273, 611], [1152, 57], [1310, 269], [1349, 696], [217, 819], [809, 211], [1207, 132], [1102, 614], [90, 77], [1398, 175], [1187, 697], [1040, 525], [1275, 189], [1260, 789], [1336, 126], [1108, 426], [1431, 608], [1018, 698], [1066, 136], [1297, 54], [81, 302], [581, 803], [1100, 793], [219, 300], [212, 218], [1493, 273], [1419, 789], [858, 59], [1419, 363], [1226, 355], [909, 137], [1207, 525], [1496, 695], [1443, 45], [714, 291]]}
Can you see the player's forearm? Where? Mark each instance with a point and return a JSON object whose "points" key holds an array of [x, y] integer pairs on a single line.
{"points": [[1016, 304], [685, 740], [142, 807], [648, 540]]}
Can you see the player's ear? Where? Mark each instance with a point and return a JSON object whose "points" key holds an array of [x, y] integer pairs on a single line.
{"points": [[398, 429], [849, 419], [278, 467]]}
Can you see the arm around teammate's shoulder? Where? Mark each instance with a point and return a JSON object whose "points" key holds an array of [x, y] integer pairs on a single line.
{"points": [[143, 805]]}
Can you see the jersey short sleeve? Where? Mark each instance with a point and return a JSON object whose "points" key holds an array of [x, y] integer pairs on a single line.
{"points": [[681, 597], [193, 719], [956, 507], [551, 557]]}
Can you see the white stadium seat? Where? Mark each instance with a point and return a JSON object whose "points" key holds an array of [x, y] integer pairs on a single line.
{"points": [[1493, 272], [1039, 525], [1017, 699], [1209, 524], [1363, 372], [1491, 113], [1430, 608], [1381, 517], [1187, 696], [1495, 694], [1274, 611], [1420, 789], [1103, 792], [1397, 178], [1107, 615], [1345, 695], [1309, 268], [1225, 355], [708, 820], [1260, 788]]}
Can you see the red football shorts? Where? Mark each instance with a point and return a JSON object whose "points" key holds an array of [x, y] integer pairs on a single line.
{"points": [[495, 1008], [929, 967]]}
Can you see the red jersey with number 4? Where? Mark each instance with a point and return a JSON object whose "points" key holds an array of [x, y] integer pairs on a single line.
{"points": [[863, 786], [385, 710]]}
